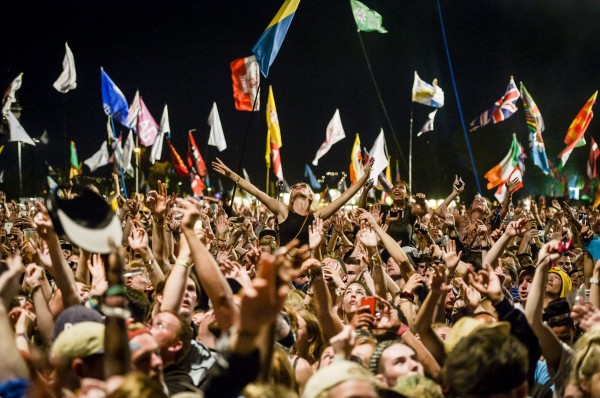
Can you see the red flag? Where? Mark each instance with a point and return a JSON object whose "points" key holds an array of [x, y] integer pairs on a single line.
{"points": [[178, 164], [197, 185], [194, 159], [591, 166], [245, 75]]}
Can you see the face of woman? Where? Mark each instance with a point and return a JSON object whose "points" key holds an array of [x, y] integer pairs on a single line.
{"points": [[399, 192], [352, 297], [300, 190]]}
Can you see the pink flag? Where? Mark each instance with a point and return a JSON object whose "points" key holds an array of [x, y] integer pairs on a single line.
{"points": [[147, 128]]}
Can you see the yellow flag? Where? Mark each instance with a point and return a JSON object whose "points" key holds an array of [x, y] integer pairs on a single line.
{"points": [[356, 164], [597, 197], [273, 131]]}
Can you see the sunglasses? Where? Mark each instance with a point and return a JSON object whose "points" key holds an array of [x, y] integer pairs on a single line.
{"points": [[299, 185]]}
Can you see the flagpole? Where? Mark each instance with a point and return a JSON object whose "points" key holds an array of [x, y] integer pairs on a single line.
{"points": [[112, 125], [410, 148], [362, 45], [137, 162], [462, 119], [20, 169]]}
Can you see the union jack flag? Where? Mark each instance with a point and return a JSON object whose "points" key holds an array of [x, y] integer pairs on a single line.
{"points": [[504, 108]]}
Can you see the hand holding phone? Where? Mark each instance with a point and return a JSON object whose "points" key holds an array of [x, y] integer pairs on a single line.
{"points": [[368, 301]]}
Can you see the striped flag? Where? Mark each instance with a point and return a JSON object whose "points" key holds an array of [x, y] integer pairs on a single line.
{"points": [[356, 161], [269, 43], [577, 129], [273, 137], [591, 166], [535, 124], [504, 108], [75, 166], [501, 173]]}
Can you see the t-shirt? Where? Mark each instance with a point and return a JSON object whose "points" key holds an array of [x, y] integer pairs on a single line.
{"points": [[197, 361], [401, 230]]}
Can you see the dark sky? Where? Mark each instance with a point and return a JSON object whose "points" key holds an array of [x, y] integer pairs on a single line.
{"points": [[178, 53]]}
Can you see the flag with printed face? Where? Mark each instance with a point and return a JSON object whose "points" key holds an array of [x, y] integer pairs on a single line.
{"points": [[245, 75], [17, 132], [504, 108], [165, 128], [10, 94], [75, 166], [269, 43], [535, 124], [334, 133], [147, 128], [216, 137], [178, 165], [273, 137], [99, 159], [308, 173], [501, 173], [195, 161], [67, 80], [427, 94], [591, 165], [356, 161], [366, 19], [113, 100], [577, 129], [428, 126]]}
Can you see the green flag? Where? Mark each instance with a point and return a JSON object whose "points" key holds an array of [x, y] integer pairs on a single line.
{"points": [[366, 19]]}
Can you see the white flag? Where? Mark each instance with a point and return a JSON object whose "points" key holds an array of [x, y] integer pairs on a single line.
{"points": [[427, 94], [99, 159], [216, 138], [17, 132], [10, 96], [428, 126], [334, 133], [45, 138], [379, 153], [165, 128], [127, 151], [134, 110], [67, 80], [246, 176]]}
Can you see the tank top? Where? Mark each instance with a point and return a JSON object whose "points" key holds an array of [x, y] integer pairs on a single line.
{"points": [[289, 228]]}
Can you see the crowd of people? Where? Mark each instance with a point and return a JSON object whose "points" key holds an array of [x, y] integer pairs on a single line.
{"points": [[304, 299]]}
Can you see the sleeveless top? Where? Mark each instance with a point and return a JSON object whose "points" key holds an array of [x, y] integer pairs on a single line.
{"points": [[289, 228]]}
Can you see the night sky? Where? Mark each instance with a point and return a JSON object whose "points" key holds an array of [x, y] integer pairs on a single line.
{"points": [[178, 53]]}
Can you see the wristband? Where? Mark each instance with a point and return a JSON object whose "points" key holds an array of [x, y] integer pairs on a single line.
{"points": [[184, 263], [116, 312], [402, 329], [407, 295], [116, 290]]}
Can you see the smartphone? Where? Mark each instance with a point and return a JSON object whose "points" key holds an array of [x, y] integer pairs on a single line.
{"points": [[8, 226], [584, 219], [370, 301]]}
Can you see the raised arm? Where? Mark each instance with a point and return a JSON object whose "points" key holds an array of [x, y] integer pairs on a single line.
{"points": [[457, 187], [514, 228], [275, 206], [334, 206]]}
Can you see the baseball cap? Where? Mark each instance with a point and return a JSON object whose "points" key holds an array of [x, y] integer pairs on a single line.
{"points": [[466, 326], [336, 373], [79, 341], [87, 220], [267, 232], [73, 315]]}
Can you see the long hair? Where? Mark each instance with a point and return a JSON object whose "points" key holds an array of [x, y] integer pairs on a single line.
{"points": [[313, 206]]}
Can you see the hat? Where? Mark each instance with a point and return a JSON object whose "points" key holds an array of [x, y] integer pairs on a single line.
{"points": [[566, 280], [267, 232], [64, 244], [336, 373], [417, 386], [73, 315], [79, 341], [466, 326], [87, 220]]}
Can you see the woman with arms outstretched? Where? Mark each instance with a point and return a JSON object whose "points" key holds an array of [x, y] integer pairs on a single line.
{"points": [[294, 218]]}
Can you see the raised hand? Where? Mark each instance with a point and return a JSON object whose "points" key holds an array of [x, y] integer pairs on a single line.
{"points": [[43, 223], [369, 166], [487, 283], [512, 185], [157, 202], [367, 236], [458, 186], [448, 217], [344, 341], [438, 280], [222, 169], [188, 207], [315, 233], [411, 284], [516, 228], [34, 276], [450, 256]]}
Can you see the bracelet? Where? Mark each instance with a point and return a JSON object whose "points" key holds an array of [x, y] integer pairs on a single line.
{"points": [[376, 260], [407, 295], [402, 329], [116, 290], [594, 281], [184, 263], [116, 312]]}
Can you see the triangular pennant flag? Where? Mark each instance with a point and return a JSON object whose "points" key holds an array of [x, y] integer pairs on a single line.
{"points": [[44, 138], [10, 95], [535, 124], [134, 110], [216, 137], [356, 162], [98, 159], [17, 132], [67, 80], [428, 126], [147, 128], [500, 173], [273, 137], [51, 183], [246, 176], [334, 133], [165, 128], [195, 161]]}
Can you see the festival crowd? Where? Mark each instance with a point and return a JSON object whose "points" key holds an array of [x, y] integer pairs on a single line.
{"points": [[300, 299]]}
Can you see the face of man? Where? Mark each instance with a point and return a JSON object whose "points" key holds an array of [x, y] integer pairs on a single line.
{"points": [[396, 361], [137, 278], [524, 287], [145, 356], [564, 262], [190, 299], [564, 334], [164, 329], [352, 272], [393, 269], [554, 285]]}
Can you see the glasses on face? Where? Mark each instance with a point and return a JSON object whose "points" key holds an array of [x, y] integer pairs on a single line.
{"points": [[72, 263], [299, 185]]}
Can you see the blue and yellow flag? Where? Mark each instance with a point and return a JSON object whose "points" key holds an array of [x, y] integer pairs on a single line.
{"points": [[269, 43]]}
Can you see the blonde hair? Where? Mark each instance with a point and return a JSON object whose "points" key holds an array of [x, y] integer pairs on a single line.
{"points": [[314, 205], [586, 361]]}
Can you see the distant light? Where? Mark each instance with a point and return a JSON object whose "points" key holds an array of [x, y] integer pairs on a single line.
{"points": [[179, 183], [209, 189], [137, 150]]}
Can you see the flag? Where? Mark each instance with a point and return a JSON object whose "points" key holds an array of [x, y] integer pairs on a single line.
{"points": [[428, 126], [44, 138], [356, 164], [75, 166], [334, 133], [314, 183], [504, 108], [17, 132], [113, 100], [379, 153], [500, 173], [165, 128], [246, 176], [147, 128], [118, 156], [269, 43], [197, 184], [99, 159], [134, 110], [127, 152], [535, 124], [246, 82], [51, 183], [178, 165], [10, 95], [216, 137], [366, 19], [397, 172], [67, 80], [427, 94], [500, 193], [597, 197], [273, 137], [194, 158], [591, 166], [574, 137]]}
